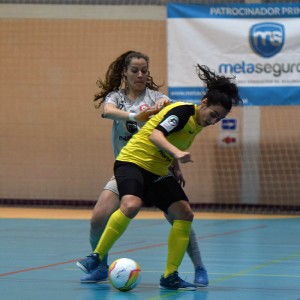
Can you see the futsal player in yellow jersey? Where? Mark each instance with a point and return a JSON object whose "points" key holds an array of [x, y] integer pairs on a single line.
{"points": [[145, 159]]}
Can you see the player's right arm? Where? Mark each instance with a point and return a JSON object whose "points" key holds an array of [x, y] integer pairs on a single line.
{"points": [[110, 111]]}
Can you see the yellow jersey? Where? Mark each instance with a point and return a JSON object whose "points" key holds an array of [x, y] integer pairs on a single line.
{"points": [[178, 123]]}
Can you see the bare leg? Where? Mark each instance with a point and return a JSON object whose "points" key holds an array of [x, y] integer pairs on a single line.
{"points": [[108, 202]]}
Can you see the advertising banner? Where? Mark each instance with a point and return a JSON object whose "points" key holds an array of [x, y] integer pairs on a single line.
{"points": [[258, 43]]}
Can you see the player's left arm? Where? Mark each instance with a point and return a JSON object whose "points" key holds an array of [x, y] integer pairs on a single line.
{"points": [[160, 141]]}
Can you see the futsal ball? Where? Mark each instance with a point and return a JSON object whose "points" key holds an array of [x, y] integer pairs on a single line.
{"points": [[124, 274]]}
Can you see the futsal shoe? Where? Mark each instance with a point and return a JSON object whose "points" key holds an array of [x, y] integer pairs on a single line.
{"points": [[201, 278], [90, 263], [174, 282], [98, 275]]}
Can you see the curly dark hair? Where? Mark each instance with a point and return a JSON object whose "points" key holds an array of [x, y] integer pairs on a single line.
{"points": [[219, 89], [114, 76]]}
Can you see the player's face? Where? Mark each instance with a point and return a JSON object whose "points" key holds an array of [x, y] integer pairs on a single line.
{"points": [[210, 115], [136, 74]]}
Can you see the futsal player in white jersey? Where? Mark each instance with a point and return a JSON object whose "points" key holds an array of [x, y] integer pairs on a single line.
{"points": [[130, 97]]}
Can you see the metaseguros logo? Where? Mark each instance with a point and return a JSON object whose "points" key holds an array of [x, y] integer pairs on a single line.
{"points": [[267, 39]]}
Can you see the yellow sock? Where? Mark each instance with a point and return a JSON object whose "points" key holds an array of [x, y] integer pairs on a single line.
{"points": [[178, 241], [115, 227]]}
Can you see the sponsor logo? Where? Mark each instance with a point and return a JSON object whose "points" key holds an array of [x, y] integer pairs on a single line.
{"points": [[132, 127], [275, 69], [144, 107], [165, 156], [125, 138], [170, 123], [267, 39]]}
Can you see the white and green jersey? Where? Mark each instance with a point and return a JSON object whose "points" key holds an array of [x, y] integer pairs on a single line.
{"points": [[123, 130]]}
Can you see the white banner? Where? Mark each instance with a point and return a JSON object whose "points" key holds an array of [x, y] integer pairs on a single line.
{"points": [[259, 44]]}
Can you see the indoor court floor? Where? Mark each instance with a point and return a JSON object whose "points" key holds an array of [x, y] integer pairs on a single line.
{"points": [[247, 256]]}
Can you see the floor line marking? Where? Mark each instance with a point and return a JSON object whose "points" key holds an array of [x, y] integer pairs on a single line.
{"points": [[257, 267], [131, 250], [210, 273], [241, 273]]}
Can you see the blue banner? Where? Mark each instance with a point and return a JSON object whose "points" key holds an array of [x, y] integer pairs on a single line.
{"points": [[259, 44]]}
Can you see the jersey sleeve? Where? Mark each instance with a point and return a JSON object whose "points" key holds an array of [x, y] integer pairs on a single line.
{"points": [[159, 95], [156, 95], [114, 98], [175, 119]]}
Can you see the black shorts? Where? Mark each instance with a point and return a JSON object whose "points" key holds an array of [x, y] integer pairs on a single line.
{"points": [[151, 188]]}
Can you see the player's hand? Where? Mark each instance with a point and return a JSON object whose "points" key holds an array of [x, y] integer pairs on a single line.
{"points": [[145, 114], [183, 157], [161, 103], [177, 173], [179, 177]]}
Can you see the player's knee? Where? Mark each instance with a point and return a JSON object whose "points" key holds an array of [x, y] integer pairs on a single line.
{"points": [[191, 216], [181, 210], [187, 215], [130, 205]]}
